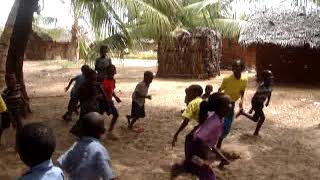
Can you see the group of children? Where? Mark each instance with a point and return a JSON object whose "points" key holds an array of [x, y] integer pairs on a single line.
{"points": [[214, 114], [95, 90]]}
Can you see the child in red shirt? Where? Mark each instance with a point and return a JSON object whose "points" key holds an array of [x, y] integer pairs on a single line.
{"points": [[107, 105]]}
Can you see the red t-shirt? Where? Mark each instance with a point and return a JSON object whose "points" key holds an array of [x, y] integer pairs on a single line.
{"points": [[108, 86]]}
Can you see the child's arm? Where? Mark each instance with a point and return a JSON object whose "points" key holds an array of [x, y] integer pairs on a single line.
{"points": [[241, 99], [142, 96], [224, 160], [71, 81], [116, 97], [268, 100], [182, 127]]}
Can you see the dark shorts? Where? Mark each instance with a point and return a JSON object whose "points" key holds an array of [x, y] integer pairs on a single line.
{"points": [[108, 107], [137, 111], [258, 109], [7, 118]]}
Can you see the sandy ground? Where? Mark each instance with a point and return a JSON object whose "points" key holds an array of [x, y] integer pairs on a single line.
{"points": [[288, 148]]}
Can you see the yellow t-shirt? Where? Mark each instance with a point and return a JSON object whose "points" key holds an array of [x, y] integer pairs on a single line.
{"points": [[3, 106], [193, 108], [233, 87]]}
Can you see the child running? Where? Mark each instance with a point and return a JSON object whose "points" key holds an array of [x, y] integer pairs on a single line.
{"points": [[193, 94], [88, 159], [107, 105], [233, 86], [203, 139], [35, 144], [74, 94], [207, 92], [138, 100], [262, 94]]}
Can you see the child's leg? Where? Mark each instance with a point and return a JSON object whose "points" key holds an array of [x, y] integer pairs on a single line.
{"points": [[134, 119], [260, 123], [219, 143], [253, 118], [115, 116]]}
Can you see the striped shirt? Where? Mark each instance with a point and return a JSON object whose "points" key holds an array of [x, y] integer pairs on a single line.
{"points": [[13, 99]]}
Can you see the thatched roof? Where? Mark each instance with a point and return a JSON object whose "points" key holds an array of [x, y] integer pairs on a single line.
{"points": [[291, 28]]}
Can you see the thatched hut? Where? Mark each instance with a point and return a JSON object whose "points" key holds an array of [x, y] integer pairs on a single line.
{"points": [[190, 55], [288, 43]]}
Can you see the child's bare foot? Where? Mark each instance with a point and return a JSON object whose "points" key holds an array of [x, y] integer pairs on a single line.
{"points": [[176, 170], [239, 113], [256, 133]]}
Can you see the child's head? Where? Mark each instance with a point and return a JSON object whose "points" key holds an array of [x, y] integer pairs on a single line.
{"points": [[11, 81], [103, 50], [91, 76], [208, 89], [85, 69], [92, 125], [267, 77], [35, 143], [111, 71], [193, 91], [148, 77], [238, 66], [220, 104]]}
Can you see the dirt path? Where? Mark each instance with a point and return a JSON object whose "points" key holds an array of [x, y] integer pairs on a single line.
{"points": [[289, 146]]}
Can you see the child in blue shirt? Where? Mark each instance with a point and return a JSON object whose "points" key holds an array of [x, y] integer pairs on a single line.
{"points": [[88, 158], [35, 144]]}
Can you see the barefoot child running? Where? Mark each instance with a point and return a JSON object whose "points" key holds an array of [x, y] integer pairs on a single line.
{"points": [[107, 105], [262, 94], [138, 99], [74, 94], [203, 139], [233, 86], [193, 94]]}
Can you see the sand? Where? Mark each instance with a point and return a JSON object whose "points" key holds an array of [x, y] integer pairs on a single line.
{"points": [[288, 148]]}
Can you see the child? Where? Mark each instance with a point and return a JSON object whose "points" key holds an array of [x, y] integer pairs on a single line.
{"points": [[203, 139], [233, 86], [138, 99], [262, 94], [88, 158], [36, 143], [207, 92], [102, 63], [13, 98], [4, 121], [74, 95], [107, 104], [193, 94], [88, 97]]}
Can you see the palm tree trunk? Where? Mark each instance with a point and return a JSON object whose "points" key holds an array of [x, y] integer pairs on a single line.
{"points": [[18, 42], [75, 46], [5, 41]]}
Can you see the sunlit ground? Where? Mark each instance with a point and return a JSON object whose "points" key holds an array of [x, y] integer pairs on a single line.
{"points": [[289, 146]]}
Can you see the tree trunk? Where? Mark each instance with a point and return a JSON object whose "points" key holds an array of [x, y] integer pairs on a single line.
{"points": [[5, 41], [75, 48], [18, 42]]}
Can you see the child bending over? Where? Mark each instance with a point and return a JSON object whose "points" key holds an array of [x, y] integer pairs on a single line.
{"points": [[262, 94], [203, 139], [88, 158], [193, 94], [74, 94], [138, 99], [35, 144], [107, 105]]}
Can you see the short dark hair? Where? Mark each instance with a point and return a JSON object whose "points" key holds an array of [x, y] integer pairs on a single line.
{"points": [[110, 68], [104, 47], [239, 63], [195, 89], [148, 74], [85, 68], [36, 143], [90, 124]]}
